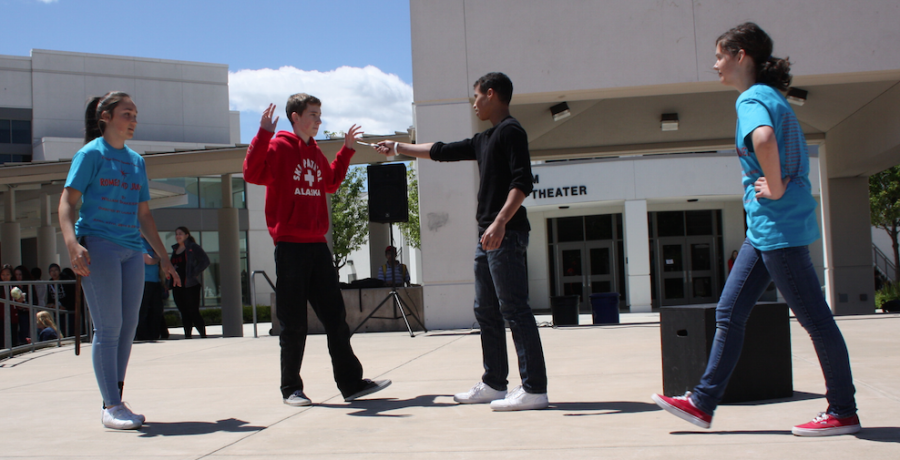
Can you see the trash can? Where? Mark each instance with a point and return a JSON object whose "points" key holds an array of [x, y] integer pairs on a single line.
{"points": [[565, 310], [605, 307]]}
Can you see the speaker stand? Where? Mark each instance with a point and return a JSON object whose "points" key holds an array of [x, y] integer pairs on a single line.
{"points": [[397, 303]]}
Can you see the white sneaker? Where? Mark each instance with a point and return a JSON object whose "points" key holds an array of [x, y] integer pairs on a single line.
{"points": [[519, 399], [119, 418], [479, 394], [297, 399], [138, 417]]}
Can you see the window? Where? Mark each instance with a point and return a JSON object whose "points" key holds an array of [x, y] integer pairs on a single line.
{"points": [[5, 132], [15, 132], [21, 132], [206, 192], [570, 229]]}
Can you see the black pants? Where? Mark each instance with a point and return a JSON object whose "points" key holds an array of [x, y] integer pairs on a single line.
{"points": [[305, 272], [151, 314], [188, 302]]}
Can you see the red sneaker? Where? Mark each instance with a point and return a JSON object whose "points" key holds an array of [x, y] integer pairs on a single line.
{"points": [[683, 407], [828, 425]]}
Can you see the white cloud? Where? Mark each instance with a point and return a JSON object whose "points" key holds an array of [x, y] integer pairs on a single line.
{"points": [[379, 102], [48, 1]]}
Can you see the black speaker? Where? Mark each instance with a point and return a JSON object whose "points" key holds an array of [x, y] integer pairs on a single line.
{"points": [[387, 193], [764, 369]]}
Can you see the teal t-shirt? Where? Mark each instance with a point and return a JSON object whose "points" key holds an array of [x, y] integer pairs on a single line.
{"points": [[791, 220], [112, 182]]}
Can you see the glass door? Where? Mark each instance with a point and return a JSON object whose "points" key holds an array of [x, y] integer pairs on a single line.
{"points": [[687, 270], [571, 263], [601, 267], [701, 270], [671, 269], [586, 268]]}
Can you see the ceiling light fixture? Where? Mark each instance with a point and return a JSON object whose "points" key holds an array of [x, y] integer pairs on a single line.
{"points": [[797, 96], [669, 122], [560, 111]]}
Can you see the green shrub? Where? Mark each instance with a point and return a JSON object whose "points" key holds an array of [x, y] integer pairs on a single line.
{"points": [[263, 314], [890, 291], [172, 318]]}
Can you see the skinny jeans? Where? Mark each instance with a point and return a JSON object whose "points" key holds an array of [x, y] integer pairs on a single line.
{"points": [[501, 293], [792, 271], [113, 292]]}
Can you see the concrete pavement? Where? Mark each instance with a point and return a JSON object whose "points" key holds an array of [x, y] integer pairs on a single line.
{"points": [[218, 399]]}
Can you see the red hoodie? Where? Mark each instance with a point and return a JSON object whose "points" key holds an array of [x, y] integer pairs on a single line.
{"points": [[297, 176]]}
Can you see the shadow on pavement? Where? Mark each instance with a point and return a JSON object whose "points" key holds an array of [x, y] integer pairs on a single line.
{"points": [[798, 396], [581, 409], [377, 407], [765, 432], [233, 425], [880, 434], [877, 434]]}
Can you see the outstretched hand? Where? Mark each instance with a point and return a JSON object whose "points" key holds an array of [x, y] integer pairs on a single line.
{"points": [[350, 137], [385, 148], [266, 121]]}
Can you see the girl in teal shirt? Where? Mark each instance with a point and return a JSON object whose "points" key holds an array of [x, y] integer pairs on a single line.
{"points": [[781, 222], [105, 243]]}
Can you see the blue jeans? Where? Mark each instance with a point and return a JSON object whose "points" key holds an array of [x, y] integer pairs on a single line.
{"points": [[501, 292], [113, 292], [795, 277]]}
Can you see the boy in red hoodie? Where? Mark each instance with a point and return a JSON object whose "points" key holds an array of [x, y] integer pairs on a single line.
{"points": [[297, 176]]}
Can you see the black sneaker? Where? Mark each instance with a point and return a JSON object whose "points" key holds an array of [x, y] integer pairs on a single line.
{"points": [[368, 388]]}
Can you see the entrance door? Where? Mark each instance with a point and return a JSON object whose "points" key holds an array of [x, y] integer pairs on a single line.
{"points": [[686, 269], [584, 269], [701, 269]]}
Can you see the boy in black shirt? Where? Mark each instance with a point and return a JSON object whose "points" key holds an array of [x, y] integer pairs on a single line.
{"points": [[501, 284]]}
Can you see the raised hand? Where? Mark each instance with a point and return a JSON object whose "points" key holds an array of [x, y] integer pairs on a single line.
{"points": [[350, 137], [266, 121]]}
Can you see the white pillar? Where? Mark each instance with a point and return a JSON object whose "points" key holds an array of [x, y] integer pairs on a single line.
{"points": [[46, 237], [853, 288], [827, 238], [10, 236], [637, 256], [230, 264], [447, 205]]}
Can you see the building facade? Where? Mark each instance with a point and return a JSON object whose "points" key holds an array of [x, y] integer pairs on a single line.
{"points": [[620, 67]]}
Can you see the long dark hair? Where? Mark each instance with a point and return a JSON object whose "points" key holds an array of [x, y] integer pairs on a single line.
{"points": [[756, 43], [93, 122], [188, 233]]}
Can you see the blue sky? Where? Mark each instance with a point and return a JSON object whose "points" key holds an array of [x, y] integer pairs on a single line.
{"points": [[304, 43]]}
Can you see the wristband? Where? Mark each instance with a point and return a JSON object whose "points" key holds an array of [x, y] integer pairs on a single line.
{"points": [[395, 148]]}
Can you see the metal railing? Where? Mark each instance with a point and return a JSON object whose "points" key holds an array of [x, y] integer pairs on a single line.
{"points": [[883, 264], [253, 295], [33, 307]]}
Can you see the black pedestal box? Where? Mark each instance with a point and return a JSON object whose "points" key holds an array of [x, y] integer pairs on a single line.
{"points": [[763, 370]]}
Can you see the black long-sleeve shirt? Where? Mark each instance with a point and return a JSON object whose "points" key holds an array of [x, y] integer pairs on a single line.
{"points": [[503, 164]]}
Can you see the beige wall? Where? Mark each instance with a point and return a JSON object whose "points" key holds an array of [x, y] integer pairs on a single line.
{"points": [[580, 46]]}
